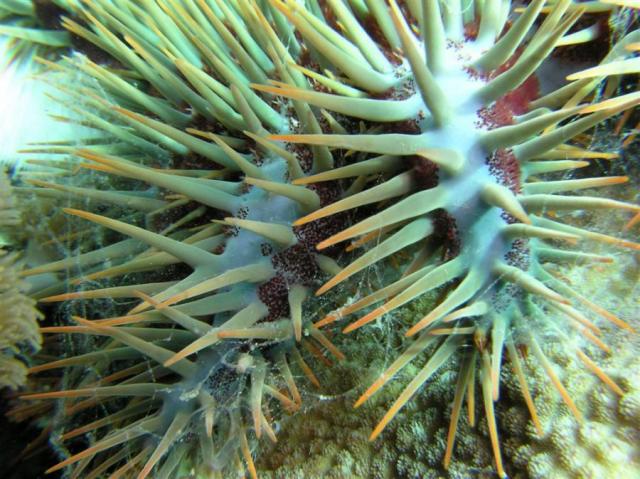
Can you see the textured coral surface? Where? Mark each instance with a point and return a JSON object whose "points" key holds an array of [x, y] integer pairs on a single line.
{"points": [[18, 314]]}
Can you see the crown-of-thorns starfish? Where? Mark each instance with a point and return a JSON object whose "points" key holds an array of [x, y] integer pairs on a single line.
{"points": [[478, 117], [464, 192]]}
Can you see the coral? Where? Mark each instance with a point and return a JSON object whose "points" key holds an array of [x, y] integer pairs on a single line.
{"points": [[327, 439], [18, 314], [604, 443], [244, 136]]}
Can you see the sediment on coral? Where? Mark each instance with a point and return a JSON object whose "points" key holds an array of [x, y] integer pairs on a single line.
{"points": [[18, 322], [241, 145]]}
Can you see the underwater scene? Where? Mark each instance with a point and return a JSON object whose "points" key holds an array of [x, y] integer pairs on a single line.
{"points": [[319, 239]]}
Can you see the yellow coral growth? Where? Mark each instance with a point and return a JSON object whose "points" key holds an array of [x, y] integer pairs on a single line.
{"points": [[18, 314]]}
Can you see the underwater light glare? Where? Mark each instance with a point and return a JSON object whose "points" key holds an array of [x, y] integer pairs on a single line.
{"points": [[27, 112]]}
